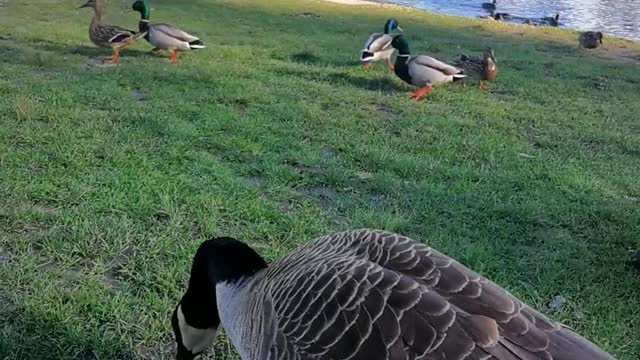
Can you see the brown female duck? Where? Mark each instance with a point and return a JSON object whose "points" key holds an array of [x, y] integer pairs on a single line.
{"points": [[107, 36], [481, 68]]}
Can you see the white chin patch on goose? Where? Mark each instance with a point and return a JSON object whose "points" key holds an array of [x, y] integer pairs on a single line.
{"points": [[194, 339]]}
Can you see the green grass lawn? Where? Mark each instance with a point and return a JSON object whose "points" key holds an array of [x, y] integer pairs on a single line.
{"points": [[111, 177]]}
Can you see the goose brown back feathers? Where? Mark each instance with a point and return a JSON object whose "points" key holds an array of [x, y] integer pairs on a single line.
{"points": [[373, 295]]}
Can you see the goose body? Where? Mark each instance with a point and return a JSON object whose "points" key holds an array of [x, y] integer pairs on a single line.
{"points": [[378, 45], [421, 70], [590, 39], [491, 6], [107, 36], [165, 36], [363, 295]]}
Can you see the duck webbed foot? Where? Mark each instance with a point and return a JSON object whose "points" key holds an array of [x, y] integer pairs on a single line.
{"points": [[418, 94]]}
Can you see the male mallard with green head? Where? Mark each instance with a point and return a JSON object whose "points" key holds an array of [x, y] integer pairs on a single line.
{"points": [[165, 36], [107, 36], [590, 39], [481, 68], [378, 45], [421, 70]]}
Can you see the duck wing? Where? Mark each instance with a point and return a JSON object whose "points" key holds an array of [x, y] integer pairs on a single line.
{"points": [[174, 32], [378, 42], [113, 34], [374, 295], [470, 64], [435, 64]]}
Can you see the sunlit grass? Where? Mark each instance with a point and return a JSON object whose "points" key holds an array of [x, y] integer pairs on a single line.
{"points": [[111, 177]]}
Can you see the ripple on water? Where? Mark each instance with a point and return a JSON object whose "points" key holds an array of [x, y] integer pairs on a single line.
{"points": [[619, 18]]}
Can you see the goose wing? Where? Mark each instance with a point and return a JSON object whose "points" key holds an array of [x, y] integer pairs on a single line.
{"points": [[373, 295], [436, 64], [174, 32]]}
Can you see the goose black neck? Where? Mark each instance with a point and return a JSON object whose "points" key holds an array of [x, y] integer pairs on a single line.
{"points": [[219, 260]]}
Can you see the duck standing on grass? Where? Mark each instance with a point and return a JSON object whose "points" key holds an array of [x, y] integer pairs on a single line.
{"points": [[165, 36], [107, 36], [378, 45], [590, 39], [481, 68], [360, 295], [421, 70]]}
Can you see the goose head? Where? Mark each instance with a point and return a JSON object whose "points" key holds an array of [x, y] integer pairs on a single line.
{"points": [[195, 320]]}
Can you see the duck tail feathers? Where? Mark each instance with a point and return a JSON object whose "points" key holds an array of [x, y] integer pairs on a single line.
{"points": [[459, 76], [196, 44]]}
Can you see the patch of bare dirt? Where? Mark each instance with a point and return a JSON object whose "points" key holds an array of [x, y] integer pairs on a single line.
{"points": [[112, 276]]}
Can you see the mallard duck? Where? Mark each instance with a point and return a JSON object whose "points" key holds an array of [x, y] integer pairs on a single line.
{"points": [[552, 20], [481, 68], [421, 70], [165, 36], [362, 295], [378, 45], [490, 5], [590, 39], [107, 36]]}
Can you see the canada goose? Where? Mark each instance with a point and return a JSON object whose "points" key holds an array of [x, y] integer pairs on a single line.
{"points": [[362, 295], [490, 5], [421, 70]]}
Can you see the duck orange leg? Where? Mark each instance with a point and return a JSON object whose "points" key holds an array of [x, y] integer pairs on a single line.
{"points": [[365, 65], [174, 58], [114, 57], [481, 85], [418, 94], [389, 64]]}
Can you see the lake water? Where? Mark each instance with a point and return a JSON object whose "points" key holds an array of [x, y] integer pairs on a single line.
{"points": [[613, 17]]}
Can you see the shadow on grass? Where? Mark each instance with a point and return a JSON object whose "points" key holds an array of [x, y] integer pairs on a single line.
{"points": [[384, 84], [88, 51]]}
